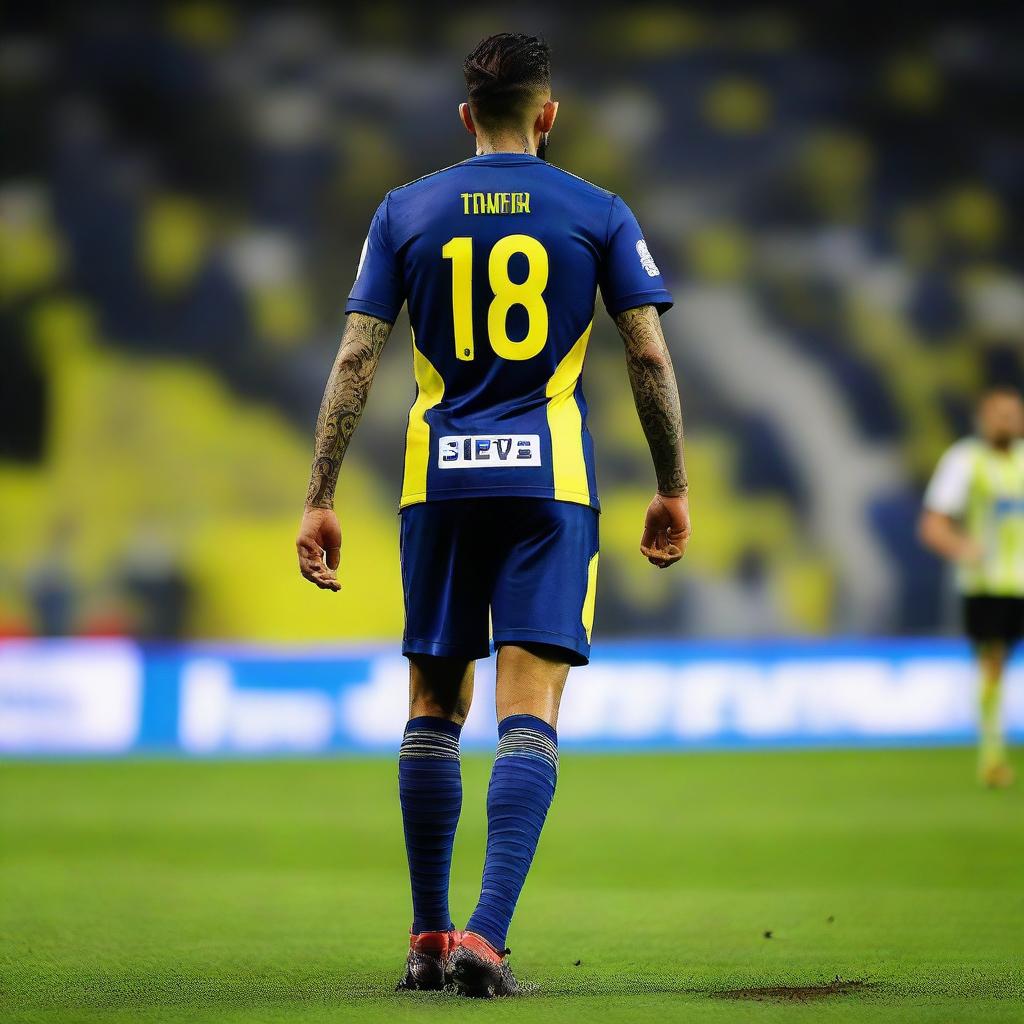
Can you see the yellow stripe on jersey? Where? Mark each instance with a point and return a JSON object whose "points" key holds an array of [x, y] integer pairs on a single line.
{"points": [[429, 392], [591, 597], [568, 463]]}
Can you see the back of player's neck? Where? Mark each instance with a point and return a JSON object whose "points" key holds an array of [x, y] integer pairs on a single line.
{"points": [[515, 143]]}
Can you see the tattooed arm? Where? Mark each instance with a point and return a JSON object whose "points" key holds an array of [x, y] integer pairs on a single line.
{"points": [[319, 540], [656, 395], [344, 398], [649, 364]]}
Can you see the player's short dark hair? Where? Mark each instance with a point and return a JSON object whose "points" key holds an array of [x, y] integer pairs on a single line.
{"points": [[502, 73]]}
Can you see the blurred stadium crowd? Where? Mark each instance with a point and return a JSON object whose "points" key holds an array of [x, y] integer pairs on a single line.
{"points": [[183, 196]]}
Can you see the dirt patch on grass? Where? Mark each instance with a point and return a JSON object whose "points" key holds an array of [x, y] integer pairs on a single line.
{"points": [[794, 993]]}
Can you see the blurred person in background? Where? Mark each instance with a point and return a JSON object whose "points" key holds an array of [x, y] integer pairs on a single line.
{"points": [[500, 258], [974, 517]]}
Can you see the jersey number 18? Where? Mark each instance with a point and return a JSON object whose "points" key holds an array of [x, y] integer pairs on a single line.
{"points": [[507, 293]]}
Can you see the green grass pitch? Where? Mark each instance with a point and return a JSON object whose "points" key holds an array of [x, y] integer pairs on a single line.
{"points": [[157, 891]]}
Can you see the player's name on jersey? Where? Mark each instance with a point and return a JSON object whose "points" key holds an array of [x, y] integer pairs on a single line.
{"points": [[495, 202], [488, 451]]}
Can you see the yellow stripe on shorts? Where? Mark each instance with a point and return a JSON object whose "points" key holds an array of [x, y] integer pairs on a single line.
{"points": [[591, 598]]}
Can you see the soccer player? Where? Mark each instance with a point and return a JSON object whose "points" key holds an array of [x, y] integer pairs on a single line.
{"points": [[500, 258], [974, 516]]}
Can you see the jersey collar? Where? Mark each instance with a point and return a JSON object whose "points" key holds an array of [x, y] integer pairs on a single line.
{"points": [[502, 159]]}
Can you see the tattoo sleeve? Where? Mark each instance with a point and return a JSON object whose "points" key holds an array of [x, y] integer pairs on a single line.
{"points": [[344, 399], [656, 394]]}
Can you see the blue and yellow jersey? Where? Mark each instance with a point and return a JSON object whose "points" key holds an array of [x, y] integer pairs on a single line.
{"points": [[500, 259]]}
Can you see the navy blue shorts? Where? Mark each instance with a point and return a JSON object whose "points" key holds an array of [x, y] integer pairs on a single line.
{"points": [[530, 564]]}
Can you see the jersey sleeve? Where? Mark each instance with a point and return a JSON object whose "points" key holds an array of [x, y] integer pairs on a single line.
{"points": [[629, 276], [377, 289], [950, 483]]}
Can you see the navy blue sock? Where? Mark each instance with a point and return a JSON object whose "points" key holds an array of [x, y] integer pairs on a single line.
{"points": [[430, 788], [520, 793]]}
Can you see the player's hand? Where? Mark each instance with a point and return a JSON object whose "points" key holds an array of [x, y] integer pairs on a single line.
{"points": [[971, 552], [319, 547], [666, 530]]}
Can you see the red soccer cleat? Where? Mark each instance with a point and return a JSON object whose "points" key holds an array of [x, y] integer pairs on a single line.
{"points": [[475, 968], [426, 963]]}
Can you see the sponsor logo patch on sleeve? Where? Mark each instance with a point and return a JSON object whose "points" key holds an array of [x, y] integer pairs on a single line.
{"points": [[646, 259]]}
